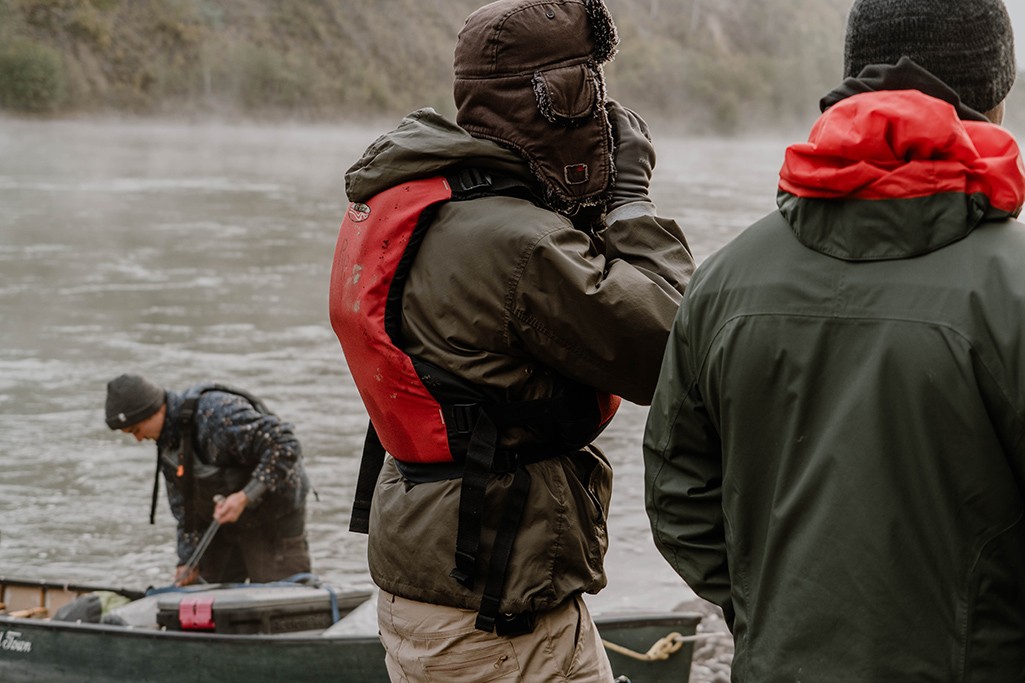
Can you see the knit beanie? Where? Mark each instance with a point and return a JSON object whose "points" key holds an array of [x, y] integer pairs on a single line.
{"points": [[968, 44], [528, 75], [131, 399]]}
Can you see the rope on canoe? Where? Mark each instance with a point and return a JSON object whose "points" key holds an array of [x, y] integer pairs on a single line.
{"points": [[664, 647]]}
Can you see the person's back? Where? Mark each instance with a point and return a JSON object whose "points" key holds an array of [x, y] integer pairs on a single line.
{"points": [[861, 456], [500, 283], [834, 449]]}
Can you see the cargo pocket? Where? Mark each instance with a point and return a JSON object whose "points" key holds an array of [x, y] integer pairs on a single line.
{"points": [[594, 475], [495, 663], [584, 641]]}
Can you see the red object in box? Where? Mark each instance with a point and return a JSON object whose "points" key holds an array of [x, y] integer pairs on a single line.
{"points": [[196, 614]]}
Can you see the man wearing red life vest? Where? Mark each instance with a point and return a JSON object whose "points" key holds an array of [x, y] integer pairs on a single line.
{"points": [[499, 284], [835, 451]]}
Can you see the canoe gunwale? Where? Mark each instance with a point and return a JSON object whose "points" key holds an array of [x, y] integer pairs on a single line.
{"points": [[46, 651]]}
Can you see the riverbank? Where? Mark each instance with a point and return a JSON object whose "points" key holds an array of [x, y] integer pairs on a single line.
{"points": [[714, 66]]}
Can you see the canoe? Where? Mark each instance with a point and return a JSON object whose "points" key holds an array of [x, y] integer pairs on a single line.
{"points": [[34, 647]]}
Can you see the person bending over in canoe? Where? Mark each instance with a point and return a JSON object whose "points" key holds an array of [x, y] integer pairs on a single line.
{"points": [[542, 289], [214, 440], [835, 451]]}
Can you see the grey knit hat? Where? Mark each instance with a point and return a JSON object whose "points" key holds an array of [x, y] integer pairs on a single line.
{"points": [[968, 44], [131, 399]]}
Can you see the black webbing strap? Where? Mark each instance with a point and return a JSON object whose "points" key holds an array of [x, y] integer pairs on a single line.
{"points": [[541, 411], [473, 183], [185, 460], [369, 468], [467, 183], [500, 554], [480, 456], [156, 492]]}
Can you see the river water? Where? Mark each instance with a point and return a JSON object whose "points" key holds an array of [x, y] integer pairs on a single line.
{"points": [[193, 252]]}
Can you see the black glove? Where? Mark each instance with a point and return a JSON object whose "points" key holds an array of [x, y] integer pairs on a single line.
{"points": [[634, 156]]}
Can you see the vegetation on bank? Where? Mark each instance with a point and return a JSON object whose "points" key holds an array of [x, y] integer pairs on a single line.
{"points": [[716, 65], [713, 63]]}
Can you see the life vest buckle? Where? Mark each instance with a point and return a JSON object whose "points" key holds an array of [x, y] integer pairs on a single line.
{"points": [[467, 180], [464, 417], [459, 573], [512, 625], [505, 462]]}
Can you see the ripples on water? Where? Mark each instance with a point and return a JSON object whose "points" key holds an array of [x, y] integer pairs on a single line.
{"points": [[202, 252]]}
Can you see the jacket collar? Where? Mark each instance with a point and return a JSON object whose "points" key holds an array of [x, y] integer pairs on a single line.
{"points": [[893, 173], [426, 144], [170, 435], [904, 75]]}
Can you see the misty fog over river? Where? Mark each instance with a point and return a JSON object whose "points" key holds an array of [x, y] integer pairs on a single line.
{"points": [[194, 252]]}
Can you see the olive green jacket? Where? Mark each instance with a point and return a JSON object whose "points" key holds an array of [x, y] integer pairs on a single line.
{"points": [[511, 296], [835, 451]]}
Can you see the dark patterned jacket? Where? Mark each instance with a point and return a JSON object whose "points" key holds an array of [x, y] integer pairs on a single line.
{"points": [[259, 452]]}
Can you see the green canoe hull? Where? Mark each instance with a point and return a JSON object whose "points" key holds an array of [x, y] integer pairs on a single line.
{"points": [[43, 651]]}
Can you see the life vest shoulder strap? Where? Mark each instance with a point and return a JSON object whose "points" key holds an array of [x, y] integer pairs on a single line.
{"points": [[370, 465]]}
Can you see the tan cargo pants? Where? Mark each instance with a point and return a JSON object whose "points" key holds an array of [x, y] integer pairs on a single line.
{"points": [[432, 644]]}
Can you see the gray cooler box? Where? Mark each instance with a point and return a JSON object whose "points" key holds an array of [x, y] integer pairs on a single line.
{"points": [[255, 609]]}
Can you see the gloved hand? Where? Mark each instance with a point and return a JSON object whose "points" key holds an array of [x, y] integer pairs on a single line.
{"points": [[634, 157]]}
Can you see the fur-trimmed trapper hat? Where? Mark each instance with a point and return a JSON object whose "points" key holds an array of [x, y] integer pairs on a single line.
{"points": [[528, 75]]}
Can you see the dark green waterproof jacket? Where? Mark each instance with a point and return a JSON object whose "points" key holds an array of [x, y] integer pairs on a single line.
{"points": [[835, 450]]}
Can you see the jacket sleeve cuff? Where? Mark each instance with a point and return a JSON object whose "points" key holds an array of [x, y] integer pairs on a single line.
{"points": [[631, 210], [254, 491]]}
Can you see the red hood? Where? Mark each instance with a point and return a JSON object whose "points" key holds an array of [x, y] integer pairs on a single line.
{"points": [[903, 144]]}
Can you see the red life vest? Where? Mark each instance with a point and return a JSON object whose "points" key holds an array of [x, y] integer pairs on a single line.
{"points": [[376, 246], [371, 244]]}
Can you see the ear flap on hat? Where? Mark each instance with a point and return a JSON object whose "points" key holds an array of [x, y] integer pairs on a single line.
{"points": [[603, 30], [567, 94]]}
